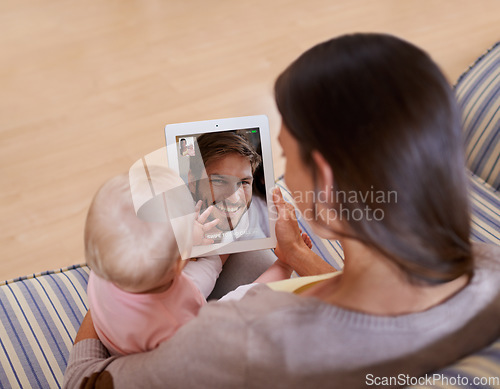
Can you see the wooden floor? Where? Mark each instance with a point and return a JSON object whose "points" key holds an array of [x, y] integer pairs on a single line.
{"points": [[86, 88]]}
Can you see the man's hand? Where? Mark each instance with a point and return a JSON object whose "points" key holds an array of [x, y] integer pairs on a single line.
{"points": [[200, 229]]}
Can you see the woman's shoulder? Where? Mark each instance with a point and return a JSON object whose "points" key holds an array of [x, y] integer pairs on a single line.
{"points": [[486, 265], [486, 254]]}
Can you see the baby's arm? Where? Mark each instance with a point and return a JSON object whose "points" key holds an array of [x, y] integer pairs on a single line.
{"points": [[204, 272]]}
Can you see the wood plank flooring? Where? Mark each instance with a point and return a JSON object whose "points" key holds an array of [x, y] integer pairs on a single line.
{"points": [[86, 88]]}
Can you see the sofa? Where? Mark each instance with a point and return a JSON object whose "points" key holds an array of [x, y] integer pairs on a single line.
{"points": [[40, 313]]}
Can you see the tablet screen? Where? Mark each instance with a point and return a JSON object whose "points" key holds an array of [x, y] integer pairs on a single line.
{"points": [[228, 175]]}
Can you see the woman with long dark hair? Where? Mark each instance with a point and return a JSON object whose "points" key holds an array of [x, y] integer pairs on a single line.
{"points": [[374, 154]]}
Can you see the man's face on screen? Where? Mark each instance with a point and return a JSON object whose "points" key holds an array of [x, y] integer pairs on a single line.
{"points": [[228, 187]]}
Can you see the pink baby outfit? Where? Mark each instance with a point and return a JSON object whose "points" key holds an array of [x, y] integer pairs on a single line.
{"points": [[131, 322]]}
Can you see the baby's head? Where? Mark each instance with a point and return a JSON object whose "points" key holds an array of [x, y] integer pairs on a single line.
{"points": [[135, 255]]}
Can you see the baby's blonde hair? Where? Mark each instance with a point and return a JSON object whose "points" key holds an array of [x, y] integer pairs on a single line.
{"points": [[133, 254]]}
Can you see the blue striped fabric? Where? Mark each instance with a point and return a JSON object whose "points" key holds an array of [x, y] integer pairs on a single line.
{"points": [[480, 370], [39, 318], [478, 95], [485, 209]]}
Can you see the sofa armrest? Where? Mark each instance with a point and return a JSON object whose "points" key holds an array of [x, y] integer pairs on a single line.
{"points": [[479, 370], [39, 318], [478, 96]]}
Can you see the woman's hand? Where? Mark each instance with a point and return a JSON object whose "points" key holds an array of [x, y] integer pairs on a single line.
{"points": [[200, 228], [293, 248], [288, 233]]}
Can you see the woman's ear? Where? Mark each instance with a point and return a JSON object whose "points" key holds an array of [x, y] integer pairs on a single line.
{"points": [[324, 174], [324, 226]]}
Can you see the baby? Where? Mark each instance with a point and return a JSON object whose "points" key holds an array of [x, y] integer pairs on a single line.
{"points": [[138, 294], [140, 291]]}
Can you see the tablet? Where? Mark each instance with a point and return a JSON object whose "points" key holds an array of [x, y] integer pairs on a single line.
{"points": [[227, 166]]}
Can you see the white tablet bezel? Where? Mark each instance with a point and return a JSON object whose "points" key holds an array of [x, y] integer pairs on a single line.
{"points": [[172, 131]]}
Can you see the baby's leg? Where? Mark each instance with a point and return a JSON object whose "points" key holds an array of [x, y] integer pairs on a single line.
{"points": [[242, 269], [246, 268]]}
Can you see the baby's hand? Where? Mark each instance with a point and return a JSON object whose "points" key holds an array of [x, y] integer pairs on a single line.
{"points": [[199, 228]]}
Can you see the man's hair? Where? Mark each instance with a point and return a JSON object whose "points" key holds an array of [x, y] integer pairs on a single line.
{"points": [[382, 114], [216, 145], [120, 247]]}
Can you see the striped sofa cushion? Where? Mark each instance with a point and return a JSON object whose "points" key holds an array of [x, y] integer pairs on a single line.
{"points": [[485, 209], [480, 370], [39, 318], [478, 95]]}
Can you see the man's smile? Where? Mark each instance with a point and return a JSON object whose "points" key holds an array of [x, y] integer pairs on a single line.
{"points": [[228, 208]]}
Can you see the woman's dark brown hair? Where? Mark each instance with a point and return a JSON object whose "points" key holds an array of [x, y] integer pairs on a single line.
{"points": [[384, 117]]}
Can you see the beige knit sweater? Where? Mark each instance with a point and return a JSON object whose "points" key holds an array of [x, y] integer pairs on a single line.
{"points": [[280, 340]]}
